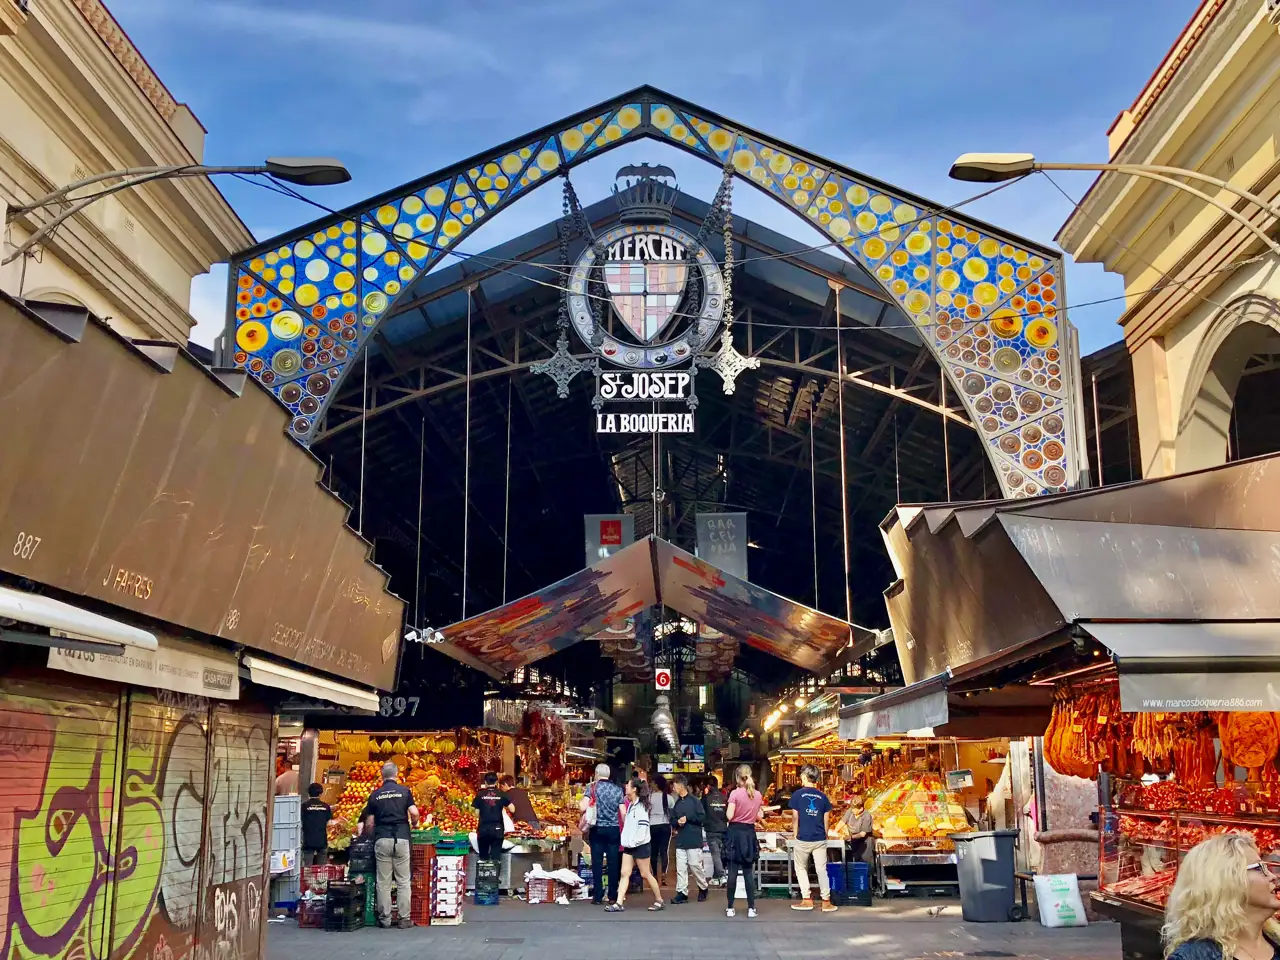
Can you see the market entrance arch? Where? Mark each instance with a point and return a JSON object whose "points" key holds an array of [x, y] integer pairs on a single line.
{"points": [[989, 305]]}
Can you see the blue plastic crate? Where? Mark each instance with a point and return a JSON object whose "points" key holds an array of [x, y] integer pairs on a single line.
{"points": [[857, 877], [486, 898], [835, 877]]}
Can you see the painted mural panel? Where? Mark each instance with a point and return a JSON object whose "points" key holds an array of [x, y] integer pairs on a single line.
{"points": [[135, 827]]}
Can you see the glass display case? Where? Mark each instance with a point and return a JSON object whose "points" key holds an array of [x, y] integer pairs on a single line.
{"points": [[1141, 849]]}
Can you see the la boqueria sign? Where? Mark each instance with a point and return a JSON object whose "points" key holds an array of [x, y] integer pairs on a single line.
{"points": [[161, 491]]}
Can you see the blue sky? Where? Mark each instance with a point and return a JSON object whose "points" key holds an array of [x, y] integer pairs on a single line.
{"points": [[399, 88]]}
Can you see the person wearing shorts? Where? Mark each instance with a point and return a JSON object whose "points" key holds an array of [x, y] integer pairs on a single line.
{"points": [[637, 846]]}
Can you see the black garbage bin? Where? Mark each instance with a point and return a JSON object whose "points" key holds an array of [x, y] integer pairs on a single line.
{"points": [[985, 864]]}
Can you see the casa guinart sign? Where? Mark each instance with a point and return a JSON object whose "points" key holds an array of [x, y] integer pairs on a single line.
{"points": [[647, 298]]}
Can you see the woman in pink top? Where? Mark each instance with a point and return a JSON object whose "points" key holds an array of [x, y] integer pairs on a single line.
{"points": [[741, 849]]}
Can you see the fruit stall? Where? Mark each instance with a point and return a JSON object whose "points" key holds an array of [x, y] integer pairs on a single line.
{"points": [[1173, 780]]}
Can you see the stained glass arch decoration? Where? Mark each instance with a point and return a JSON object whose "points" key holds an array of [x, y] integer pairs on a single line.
{"points": [[989, 305]]}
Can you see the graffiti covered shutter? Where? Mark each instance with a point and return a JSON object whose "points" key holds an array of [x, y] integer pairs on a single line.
{"points": [[59, 869], [161, 823], [236, 834]]}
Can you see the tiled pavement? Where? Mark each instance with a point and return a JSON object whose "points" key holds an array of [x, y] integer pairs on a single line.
{"points": [[892, 930]]}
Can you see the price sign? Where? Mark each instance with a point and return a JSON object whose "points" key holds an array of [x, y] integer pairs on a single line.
{"points": [[662, 678]]}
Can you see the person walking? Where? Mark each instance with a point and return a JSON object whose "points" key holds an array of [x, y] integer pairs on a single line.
{"points": [[316, 815], [490, 803], [741, 849], [810, 816], [637, 846], [600, 810], [660, 804], [687, 815], [716, 823], [388, 814]]}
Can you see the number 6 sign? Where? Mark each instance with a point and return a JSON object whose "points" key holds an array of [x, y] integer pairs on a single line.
{"points": [[662, 678]]}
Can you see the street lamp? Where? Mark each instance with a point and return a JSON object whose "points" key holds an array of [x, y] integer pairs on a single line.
{"points": [[997, 167], [304, 171]]}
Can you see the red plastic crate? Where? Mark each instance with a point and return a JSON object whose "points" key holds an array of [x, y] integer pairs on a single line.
{"points": [[317, 877], [311, 912]]}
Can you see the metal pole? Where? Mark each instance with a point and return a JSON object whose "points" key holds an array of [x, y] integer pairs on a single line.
{"points": [[417, 577], [506, 502], [364, 424], [466, 476], [1097, 428], [946, 445], [844, 485], [813, 495]]}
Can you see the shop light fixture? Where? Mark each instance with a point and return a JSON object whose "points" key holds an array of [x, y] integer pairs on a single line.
{"points": [[800, 702], [782, 708]]}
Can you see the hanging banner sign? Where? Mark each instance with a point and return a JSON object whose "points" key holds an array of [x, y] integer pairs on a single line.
{"points": [[662, 679], [722, 542], [165, 668], [607, 533]]}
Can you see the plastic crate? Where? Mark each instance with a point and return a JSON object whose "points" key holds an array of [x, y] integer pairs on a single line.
{"points": [[835, 877], [857, 877], [428, 835], [485, 898], [317, 878], [285, 892], [286, 823], [311, 912]]}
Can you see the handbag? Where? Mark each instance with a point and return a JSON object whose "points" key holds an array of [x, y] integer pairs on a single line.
{"points": [[588, 818]]}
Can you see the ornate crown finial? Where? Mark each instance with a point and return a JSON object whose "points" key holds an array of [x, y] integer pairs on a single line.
{"points": [[646, 194]]}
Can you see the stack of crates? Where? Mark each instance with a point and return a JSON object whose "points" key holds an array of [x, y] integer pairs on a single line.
{"points": [[345, 905], [858, 883], [488, 875], [286, 840], [836, 881], [422, 859], [448, 889]]}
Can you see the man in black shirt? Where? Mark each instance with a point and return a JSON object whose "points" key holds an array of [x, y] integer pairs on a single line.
{"points": [[316, 815], [489, 803], [388, 813]]}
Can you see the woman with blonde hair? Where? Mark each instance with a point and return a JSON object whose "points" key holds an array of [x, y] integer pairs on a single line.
{"points": [[741, 849], [1223, 903]]}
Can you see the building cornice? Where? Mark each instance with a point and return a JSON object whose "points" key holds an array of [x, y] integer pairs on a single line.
{"points": [[1151, 141], [190, 213], [126, 54]]}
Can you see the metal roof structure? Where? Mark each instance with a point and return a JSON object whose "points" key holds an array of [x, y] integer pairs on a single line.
{"points": [[771, 449]]}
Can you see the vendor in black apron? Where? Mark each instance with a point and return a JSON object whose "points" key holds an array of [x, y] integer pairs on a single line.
{"points": [[490, 803], [862, 843]]}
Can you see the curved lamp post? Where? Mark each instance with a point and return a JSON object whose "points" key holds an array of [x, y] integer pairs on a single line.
{"points": [[304, 171], [995, 167]]}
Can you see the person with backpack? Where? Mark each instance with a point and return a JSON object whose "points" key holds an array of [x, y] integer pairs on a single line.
{"points": [[687, 816], [600, 828], [660, 804], [716, 824]]}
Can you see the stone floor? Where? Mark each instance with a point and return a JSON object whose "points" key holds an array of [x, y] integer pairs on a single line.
{"points": [[892, 930]]}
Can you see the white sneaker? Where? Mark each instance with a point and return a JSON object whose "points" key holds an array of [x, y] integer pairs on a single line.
{"points": [[731, 912], [751, 911]]}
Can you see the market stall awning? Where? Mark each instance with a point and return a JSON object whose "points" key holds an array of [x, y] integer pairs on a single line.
{"points": [[956, 703], [69, 623], [976, 579], [605, 595], [1167, 667], [271, 674], [148, 481]]}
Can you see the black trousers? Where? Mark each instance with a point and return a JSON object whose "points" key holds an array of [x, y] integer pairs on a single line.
{"points": [[660, 837], [749, 879], [489, 840], [606, 847]]}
